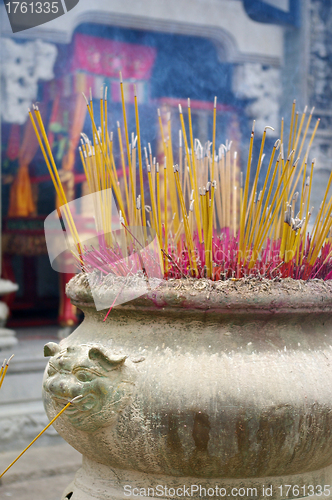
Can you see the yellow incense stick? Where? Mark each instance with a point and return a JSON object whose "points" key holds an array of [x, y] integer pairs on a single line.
{"points": [[298, 135], [102, 117], [106, 161], [245, 196], [4, 369], [192, 257], [123, 165], [132, 183], [48, 425], [195, 186], [291, 128], [159, 204], [171, 181], [258, 212], [266, 226], [214, 136], [153, 201], [161, 131], [254, 188], [139, 152], [54, 175], [165, 214], [228, 187], [190, 173]]}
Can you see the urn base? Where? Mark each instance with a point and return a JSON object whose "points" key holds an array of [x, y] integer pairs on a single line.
{"points": [[95, 481]]}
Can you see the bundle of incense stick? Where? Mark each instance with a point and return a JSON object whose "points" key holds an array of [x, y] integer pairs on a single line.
{"points": [[208, 223], [4, 368]]}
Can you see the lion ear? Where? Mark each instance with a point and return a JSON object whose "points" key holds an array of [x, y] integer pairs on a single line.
{"points": [[107, 360], [51, 348]]}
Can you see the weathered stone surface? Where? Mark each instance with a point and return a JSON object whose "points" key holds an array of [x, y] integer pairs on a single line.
{"points": [[227, 381]]}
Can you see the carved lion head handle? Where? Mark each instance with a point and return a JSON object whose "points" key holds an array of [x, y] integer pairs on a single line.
{"points": [[106, 359]]}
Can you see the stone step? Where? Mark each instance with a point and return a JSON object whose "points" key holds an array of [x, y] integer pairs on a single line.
{"points": [[22, 414], [42, 472]]}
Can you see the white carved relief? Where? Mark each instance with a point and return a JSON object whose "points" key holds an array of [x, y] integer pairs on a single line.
{"points": [[259, 84], [22, 65], [320, 73]]}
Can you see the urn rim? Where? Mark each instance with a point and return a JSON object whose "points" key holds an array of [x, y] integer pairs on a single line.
{"points": [[242, 296]]}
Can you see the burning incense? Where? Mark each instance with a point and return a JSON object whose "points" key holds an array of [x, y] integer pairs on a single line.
{"points": [[222, 227], [4, 368], [72, 401]]}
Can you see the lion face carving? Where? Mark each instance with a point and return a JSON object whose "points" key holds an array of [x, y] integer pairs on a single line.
{"points": [[103, 378]]}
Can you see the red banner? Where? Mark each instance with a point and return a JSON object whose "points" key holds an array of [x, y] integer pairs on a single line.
{"points": [[106, 57]]}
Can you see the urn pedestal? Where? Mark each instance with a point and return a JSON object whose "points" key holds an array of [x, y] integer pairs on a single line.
{"points": [[198, 384]]}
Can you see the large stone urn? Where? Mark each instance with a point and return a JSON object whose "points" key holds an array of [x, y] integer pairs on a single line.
{"points": [[200, 389]]}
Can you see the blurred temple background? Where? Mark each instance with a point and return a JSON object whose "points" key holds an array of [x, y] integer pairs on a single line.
{"points": [[256, 56]]}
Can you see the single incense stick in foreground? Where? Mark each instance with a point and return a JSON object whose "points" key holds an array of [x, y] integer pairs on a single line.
{"points": [[48, 425], [4, 369]]}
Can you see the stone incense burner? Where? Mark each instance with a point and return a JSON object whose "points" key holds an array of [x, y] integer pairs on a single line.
{"points": [[198, 383]]}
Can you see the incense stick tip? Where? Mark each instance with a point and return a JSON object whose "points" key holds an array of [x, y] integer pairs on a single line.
{"points": [[290, 154], [77, 398]]}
